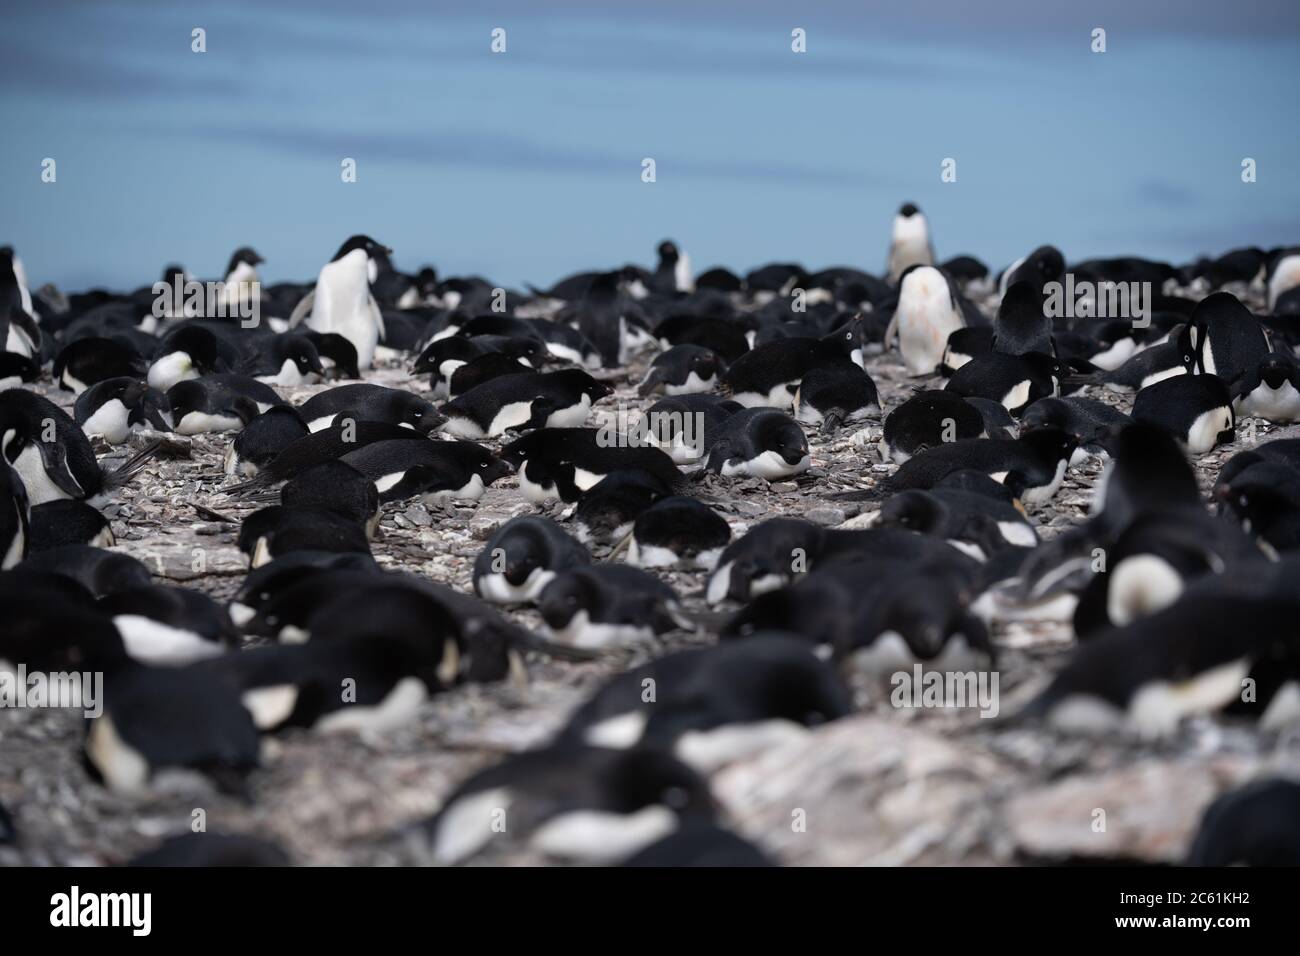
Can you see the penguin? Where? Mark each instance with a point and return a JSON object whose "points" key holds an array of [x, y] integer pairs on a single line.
{"points": [[1034, 464], [723, 337], [1253, 825], [210, 849], [834, 395], [1270, 391], [19, 332], [341, 301], [52, 455], [565, 462], [338, 356], [16, 369], [969, 272], [338, 487], [606, 511], [1282, 275], [1195, 409], [287, 360], [963, 345], [927, 419], [53, 631], [683, 370], [909, 243], [673, 274], [1093, 423], [106, 408], [15, 517], [169, 626], [328, 444], [680, 425], [609, 605], [1171, 358], [241, 282], [91, 360], [1022, 325], [262, 438], [759, 442], [156, 719], [700, 845], [98, 571], [483, 369], [763, 559], [718, 704], [566, 343], [433, 470], [1015, 381], [189, 352], [1045, 264], [522, 557], [276, 531], [217, 403], [589, 804], [1188, 658], [1228, 341], [678, 531], [66, 521], [263, 584], [1265, 499], [927, 313], [973, 523], [769, 374], [285, 610], [609, 320], [444, 356], [525, 401], [370, 403], [998, 422], [1284, 451]]}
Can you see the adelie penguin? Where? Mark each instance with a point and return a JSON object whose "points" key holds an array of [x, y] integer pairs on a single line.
{"points": [[528, 400], [1171, 358], [259, 441], [769, 375], [369, 403], [1014, 381], [928, 312], [1195, 409], [716, 705], [341, 301], [1255, 825], [763, 559], [1270, 391], [683, 370], [328, 444], [1033, 464], [273, 532], [609, 605], [1045, 264], [110, 408], [189, 352], [15, 517], [673, 274], [169, 626], [973, 523], [1228, 341], [433, 470], [927, 419], [522, 557], [565, 462], [1094, 423], [65, 521], [835, 395], [88, 361], [761, 442], [483, 369], [678, 532], [909, 243], [52, 455], [335, 486], [681, 424], [286, 360], [606, 511], [1022, 326], [1265, 498], [217, 403], [592, 804]]}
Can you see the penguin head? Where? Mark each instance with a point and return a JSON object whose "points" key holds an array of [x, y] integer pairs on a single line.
{"points": [[301, 351], [908, 210], [370, 247], [1050, 444], [426, 282], [1258, 495], [200, 345], [244, 255], [783, 435], [564, 597], [914, 510], [706, 363], [341, 354], [415, 412], [645, 777], [668, 253], [1276, 369]]}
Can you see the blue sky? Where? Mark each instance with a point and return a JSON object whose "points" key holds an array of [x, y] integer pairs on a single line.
{"points": [[525, 166]]}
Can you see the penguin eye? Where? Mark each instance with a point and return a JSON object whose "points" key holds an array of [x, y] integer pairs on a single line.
{"points": [[675, 798], [482, 464], [1242, 499]]}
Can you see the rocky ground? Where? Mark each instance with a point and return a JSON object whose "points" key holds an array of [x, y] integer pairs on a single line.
{"points": [[886, 786]]}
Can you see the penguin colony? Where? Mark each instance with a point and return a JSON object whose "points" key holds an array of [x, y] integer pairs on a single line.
{"points": [[422, 505]]}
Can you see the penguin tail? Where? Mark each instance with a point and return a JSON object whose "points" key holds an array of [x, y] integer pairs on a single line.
{"points": [[878, 492], [555, 650], [123, 473], [257, 484], [831, 423]]}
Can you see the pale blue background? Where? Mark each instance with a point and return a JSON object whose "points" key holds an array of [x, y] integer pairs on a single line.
{"points": [[526, 166]]}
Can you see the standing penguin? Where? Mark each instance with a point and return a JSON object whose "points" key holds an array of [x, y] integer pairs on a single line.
{"points": [[927, 313], [341, 301], [910, 244]]}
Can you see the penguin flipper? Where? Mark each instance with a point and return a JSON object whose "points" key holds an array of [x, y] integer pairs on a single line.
{"points": [[303, 308]]}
